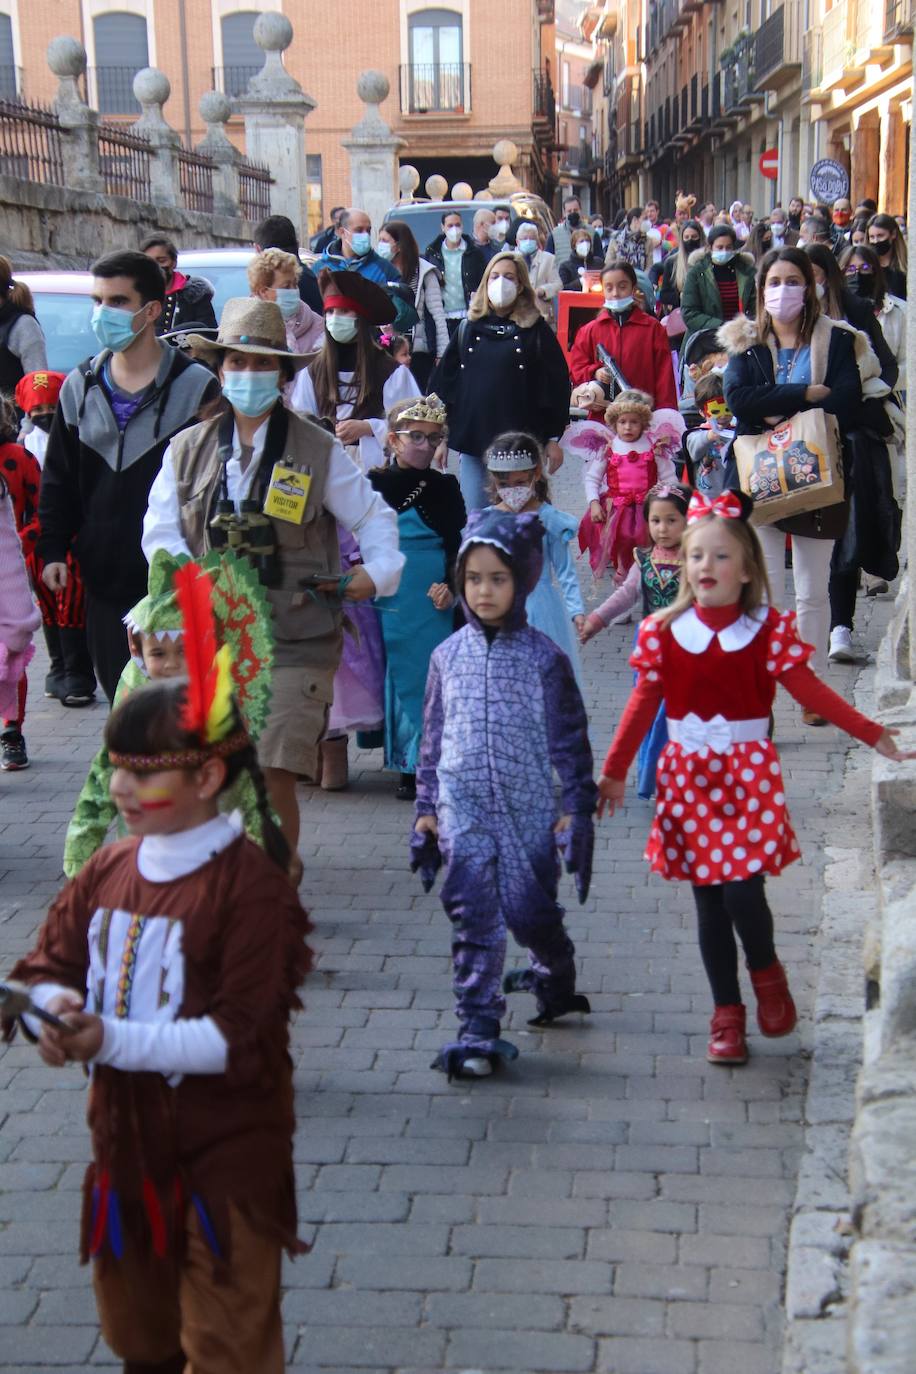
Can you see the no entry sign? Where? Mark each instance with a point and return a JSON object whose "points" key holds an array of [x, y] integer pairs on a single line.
{"points": [[769, 164]]}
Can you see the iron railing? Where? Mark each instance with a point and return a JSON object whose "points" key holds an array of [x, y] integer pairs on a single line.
{"points": [[233, 81], [195, 178], [111, 89], [255, 182], [777, 45], [30, 143], [436, 87], [545, 103], [124, 161]]}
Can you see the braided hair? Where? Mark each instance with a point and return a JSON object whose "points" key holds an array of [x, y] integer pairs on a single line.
{"points": [[148, 721]]}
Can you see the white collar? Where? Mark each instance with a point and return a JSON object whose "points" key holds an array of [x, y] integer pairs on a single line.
{"points": [[163, 858], [692, 635], [642, 445], [257, 443]]}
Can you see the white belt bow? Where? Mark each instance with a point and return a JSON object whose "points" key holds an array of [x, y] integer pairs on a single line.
{"points": [[718, 734]]}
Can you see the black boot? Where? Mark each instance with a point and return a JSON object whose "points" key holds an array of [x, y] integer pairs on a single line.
{"points": [[55, 678], [79, 682]]}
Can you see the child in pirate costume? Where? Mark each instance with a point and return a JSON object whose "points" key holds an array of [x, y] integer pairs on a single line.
{"points": [[155, 631], [174, 959], [268, 477], [502, 712]]}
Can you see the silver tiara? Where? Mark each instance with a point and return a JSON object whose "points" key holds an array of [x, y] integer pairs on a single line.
{"points": [[511, 460]]}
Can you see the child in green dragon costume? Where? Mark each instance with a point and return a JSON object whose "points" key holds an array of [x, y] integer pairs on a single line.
{"points": [[243, 621]]}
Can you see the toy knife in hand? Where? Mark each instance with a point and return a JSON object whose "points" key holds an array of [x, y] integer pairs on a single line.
{"points": [[15, 1000], [619, 381]]}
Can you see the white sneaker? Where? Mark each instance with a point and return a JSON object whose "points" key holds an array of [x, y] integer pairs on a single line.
{"points": [[477, 1067], [841, 650]]}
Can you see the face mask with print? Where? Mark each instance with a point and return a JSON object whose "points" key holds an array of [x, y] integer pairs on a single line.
{"points": [[516, 498], [251, 392], [453, 233], [529, 246], [113, 327], [288, 299], [501, 291], [722, 257], [784, 302], [582, 249], [384, 249], [342, 328], [361, 243], [620, 305]]}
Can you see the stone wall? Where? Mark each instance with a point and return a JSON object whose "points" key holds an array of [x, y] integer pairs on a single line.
{"points": [[44, 226]]}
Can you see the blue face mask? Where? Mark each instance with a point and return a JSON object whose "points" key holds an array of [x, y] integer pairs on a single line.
{"points": [[251, 393], [288, 299], [528, 246], [621, 305], [361, 243], [722, 258], [114, 327]]}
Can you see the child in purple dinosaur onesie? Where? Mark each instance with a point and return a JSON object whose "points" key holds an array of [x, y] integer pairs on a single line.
{"points": [[502, 712]]}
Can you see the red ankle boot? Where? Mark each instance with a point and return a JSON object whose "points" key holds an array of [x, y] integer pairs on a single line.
{"points": [[727, 1044], [776, 1013]]}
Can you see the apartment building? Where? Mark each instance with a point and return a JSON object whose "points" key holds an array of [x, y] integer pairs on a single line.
{"points": [[462, 75], [580, 146]]}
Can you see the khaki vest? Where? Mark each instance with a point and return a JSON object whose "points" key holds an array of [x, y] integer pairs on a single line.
{"points": [[311, 547]]}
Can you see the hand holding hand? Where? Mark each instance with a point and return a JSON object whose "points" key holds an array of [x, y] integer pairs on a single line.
{"points": [[440, 595], [888, 748], [54, 576], [611, 793], [590, 626]]}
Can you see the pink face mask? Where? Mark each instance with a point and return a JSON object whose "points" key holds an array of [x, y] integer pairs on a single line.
{"points": [[417, 456], [784, 302]]}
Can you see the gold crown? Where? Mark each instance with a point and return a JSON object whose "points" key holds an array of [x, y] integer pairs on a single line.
{"points": [[425, 408]]}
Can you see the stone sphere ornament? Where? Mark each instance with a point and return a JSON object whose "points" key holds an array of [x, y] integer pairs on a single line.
{"points": [[462, 191], [372, 87], [505, 152], [273, 32], [408, 179], [484, 195], [214, 107], [151, 86], [436, 187], [66, 56]]}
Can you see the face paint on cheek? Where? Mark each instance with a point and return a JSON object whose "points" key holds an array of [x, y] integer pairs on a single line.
{"points": [[151, 798]]}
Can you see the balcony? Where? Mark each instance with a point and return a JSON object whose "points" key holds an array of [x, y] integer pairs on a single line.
{"points": [[730, 108], [871, 45], [576, 100], [839, 47], [233, 81], [898, 20], [812, 66], [435, 88], [777, 48], [629, 144], [111, 89]]}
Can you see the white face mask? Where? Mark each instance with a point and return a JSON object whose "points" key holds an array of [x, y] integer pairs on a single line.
{"points": [[516, 498], [453, 233], [582, 249], [501, 291], [384, 248], [502, 228], [721, 257], [820, 289], [618, 306]]}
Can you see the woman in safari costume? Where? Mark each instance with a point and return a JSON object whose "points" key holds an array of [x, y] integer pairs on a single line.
{"points": [[255, 452]]}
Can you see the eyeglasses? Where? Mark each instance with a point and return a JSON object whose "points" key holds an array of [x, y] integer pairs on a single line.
{"points": [[860, 271], [417, 437]]}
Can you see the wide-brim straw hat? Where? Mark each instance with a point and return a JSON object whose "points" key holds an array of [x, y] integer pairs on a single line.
{"points": [[250, 325]]}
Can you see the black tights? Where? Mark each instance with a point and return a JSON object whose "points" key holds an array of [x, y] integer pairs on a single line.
{"points": [[722, 910]]}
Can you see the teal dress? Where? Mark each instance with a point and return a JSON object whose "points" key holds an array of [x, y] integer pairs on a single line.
{"points": [[430, 517]]}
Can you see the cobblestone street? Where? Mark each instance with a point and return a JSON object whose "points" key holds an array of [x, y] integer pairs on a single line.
{"points": [[610, 1202]]}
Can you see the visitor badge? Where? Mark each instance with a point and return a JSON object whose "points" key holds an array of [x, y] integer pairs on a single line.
{"points": [[287, 493]]}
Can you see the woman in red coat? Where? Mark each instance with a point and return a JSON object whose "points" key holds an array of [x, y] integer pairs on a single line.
{"points": [[636, 342]]}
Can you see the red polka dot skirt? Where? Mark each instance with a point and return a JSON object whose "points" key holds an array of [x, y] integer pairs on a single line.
{"points": [[721, 818]]}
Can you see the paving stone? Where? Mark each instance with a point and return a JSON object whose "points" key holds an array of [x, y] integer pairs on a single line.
{"points": [[521, 1350], [499, 1311]]}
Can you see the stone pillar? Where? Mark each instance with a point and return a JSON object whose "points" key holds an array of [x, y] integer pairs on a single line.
{"points": [[215, 110], [275, 108], [892, 185], [67, 60], [374, 151], [505, 182], [152, 89], [864, 157]]}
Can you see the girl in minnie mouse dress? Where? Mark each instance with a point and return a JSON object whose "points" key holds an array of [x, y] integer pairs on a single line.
{"points": [[623, 465], [721, 821]]}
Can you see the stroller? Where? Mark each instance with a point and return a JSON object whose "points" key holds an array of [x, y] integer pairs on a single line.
{"points": [[703, 344]]}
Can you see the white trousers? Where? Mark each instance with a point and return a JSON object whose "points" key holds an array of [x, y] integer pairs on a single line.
{"points": [[811, 568]]}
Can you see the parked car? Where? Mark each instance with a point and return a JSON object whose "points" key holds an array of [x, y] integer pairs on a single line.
{"points": [[425, 216], [63, 305], [226, 269]]}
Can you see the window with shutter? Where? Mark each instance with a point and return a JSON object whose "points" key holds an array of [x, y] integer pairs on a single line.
{"points": [[121, 51]]}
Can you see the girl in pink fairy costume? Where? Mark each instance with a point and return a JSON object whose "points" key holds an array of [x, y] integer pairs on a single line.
{"points": [[625, 459]]}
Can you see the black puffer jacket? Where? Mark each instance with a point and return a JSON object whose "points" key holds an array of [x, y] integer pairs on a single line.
{"points": [[191, 306]]}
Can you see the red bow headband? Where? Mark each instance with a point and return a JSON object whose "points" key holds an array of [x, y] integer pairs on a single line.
{"points": [[345, 303], [728, 506]]}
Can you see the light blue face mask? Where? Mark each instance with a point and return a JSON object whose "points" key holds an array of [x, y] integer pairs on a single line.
{"points": [[251, 393], [528, 246], [361, 243], [619, 306], [721, 259], [384, 248], [114, 327], [287, 298]]}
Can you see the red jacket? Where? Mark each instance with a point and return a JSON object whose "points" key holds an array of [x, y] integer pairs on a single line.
{"points": [[639, 347]]}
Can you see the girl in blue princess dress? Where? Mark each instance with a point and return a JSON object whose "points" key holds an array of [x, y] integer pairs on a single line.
{"points": [[515, 463]]}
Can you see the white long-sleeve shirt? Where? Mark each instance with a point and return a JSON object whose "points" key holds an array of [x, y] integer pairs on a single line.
{"points": [[400, 386], [595, 475], [348, 496]]}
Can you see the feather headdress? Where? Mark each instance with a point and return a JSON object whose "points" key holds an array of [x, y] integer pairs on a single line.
{"points": [[208, 710]]}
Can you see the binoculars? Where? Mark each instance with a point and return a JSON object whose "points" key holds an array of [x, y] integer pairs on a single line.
{"points": [[249, 533]]}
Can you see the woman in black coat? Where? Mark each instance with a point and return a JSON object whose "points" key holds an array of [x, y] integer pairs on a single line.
{"points": [[503, 370], [794, 359], [582, 258]]}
